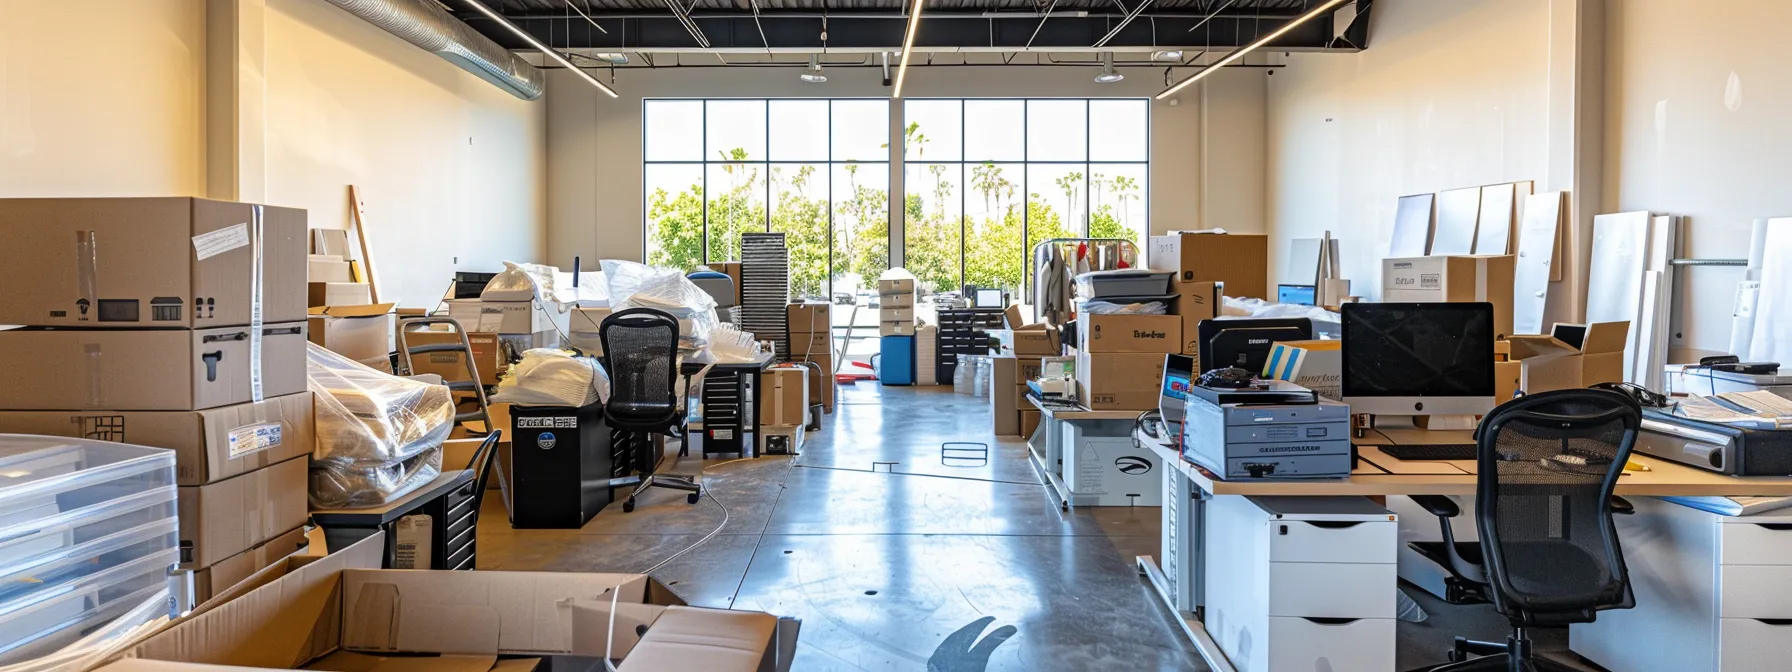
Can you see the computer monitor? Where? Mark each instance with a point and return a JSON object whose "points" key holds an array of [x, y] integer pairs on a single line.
{"points": [[1245, 343], [1418, 358], [1179, 374]]}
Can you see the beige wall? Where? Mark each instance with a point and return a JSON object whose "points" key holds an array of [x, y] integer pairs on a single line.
{"points": [[1700, 129], [594, 148], [1448, 94], [451, 168], [102, 98]]}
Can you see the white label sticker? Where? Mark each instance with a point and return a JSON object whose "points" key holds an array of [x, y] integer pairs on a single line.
{"points": [[723, 434], [250, 438], [490, 320], [208, 245]]}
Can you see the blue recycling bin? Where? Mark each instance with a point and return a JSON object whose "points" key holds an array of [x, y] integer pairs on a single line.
{"points": [[896, 364]]}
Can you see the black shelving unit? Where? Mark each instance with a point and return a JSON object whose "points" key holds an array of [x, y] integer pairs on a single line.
{"points": [[963, 331]]}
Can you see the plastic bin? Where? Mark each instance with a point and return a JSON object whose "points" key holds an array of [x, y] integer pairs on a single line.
{"points": [[88, 533], [1124, 282]]}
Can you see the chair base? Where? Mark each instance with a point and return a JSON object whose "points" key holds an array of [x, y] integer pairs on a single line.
{"points": [[669, 481], [1515, 655]]}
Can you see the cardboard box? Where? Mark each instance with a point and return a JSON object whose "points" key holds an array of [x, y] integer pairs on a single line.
{"points": [[808, 344], [149, 262], [808, 317], [1572, 356], [505, 317], [1315, 365], [1029, 422], [1161, 334], [903, 300], [146, 370], [1029, 369], [224, 518], [1508, 379], [338, 294], [1196, 301], [1037, 341], [1004, 404], [209, 445], [1239, 260], [823, 388], [889, 286], [332, 242], [1119, 381], [327, 268], [889, 314], [451, 366], [896, 329], [587, 320], [1455, 279], [229, 572], [342, 607], [360, 333], [785, 397]]}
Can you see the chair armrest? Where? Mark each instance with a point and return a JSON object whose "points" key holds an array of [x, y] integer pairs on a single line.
{"points": [[1622, 506], [1438, 505]]}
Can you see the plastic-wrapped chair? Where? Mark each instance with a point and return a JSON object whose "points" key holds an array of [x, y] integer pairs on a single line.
{"points": [[641, 345]]}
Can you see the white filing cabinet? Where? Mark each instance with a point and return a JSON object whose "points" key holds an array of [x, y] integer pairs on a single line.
{"points": [[1296, 584], [1713, 593]]}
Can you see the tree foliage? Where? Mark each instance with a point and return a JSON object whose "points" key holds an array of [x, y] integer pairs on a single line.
{"points": [[993, 252]]}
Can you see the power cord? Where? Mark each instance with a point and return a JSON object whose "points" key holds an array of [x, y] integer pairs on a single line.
{"points": [[712, 533]]}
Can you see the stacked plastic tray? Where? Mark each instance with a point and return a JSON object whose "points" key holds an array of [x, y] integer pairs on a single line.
{"points": [[87, 538]]}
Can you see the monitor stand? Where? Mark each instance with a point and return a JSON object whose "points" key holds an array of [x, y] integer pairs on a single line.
{"points": [[1435, 423]]}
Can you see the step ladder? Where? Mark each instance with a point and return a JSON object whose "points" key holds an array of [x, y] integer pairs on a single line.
{"points": [[472, 384]]}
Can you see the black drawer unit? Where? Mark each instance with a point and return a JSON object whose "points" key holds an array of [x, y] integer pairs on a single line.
{"points": [[723, 425], [963, 331], [563, 465], [445, 511]]}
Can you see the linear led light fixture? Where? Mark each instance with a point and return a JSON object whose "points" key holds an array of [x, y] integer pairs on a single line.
{"points": [[1238, 54], [908, 47], [545, 49]]}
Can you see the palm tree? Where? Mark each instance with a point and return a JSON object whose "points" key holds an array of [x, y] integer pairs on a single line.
{"points": [[1071, 183], [986, 179], [1125, 188]]}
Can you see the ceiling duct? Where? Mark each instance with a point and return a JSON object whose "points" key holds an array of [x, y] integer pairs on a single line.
{"points": [[425, 24]]}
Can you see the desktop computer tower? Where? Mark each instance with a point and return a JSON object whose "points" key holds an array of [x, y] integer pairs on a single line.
{"points": [[561, 458]]}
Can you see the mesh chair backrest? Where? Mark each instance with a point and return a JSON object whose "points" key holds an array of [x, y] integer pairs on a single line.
{"points": [[641, 348], [1548, 464]]}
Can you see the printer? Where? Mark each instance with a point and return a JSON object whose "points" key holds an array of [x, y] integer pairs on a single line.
{"points": [[1272, 440]]}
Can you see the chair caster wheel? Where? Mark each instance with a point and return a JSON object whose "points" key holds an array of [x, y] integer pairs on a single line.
{"points": [[1455, 656], [691, 498], [629, 505]]}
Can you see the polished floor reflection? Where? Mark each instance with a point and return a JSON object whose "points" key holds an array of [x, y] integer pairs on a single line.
{"points": [[930, 566]]}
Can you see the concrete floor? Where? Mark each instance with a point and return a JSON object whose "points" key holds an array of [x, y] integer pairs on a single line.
{"points": [[935, 567]]}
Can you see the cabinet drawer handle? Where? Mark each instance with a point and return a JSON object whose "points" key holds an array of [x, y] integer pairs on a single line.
{"points": [[1334, 524], [1777, 527], [1776, 622], [1330, 621]]}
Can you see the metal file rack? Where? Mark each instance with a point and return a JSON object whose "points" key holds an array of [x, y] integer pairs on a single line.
{"points": [[963, 332], [765, 289]]}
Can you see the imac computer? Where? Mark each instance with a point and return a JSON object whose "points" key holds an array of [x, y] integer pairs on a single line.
{"points": [[1246, 343], [1412, 359]]}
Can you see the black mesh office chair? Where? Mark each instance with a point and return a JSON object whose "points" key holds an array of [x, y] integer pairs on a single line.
{"points": [[1549, 553], [641, 350]]}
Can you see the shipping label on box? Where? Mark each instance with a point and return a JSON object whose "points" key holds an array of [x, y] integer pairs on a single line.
{"points": [[1160, 334], [1315, 365]]}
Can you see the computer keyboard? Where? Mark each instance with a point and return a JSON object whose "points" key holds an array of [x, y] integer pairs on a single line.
{"points": [[1448, 451]]}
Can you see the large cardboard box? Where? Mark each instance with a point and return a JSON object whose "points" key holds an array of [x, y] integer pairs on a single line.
{"points": [[1315, 365], [903, 300], [319, 294], [451, 366], [208, 445], [149, 262], [822, 388], [896, 329], [360, 333], [1572, 356], [732, 269], [327, 268], [784, 399], [889, 314], [1004, 402], [224, 518], [1029, 369], [343, 607], [211, 581], [811, 344], [505, 317], [1508, 379], [1129, 381], [146, 370], [808, 317], [1196, 301], [1029, 422], [1037, 341], [1161, 334], [1454, 279], [1239, 260]]}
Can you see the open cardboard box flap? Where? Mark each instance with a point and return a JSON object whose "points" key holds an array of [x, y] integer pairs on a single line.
{"points": [[1571, 339], [307, 608]]}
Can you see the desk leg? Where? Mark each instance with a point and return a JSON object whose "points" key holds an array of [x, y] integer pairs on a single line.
{"points": [[1194, 571], [753, 418]]}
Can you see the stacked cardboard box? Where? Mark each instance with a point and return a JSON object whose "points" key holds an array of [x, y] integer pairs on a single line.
{"points": [[811, 340], [179, 323], [522, 324], [1008, 393], [896, 303], [1120, 359], [343, 317], [1241, 261], [784, 399], [1463, 278]]}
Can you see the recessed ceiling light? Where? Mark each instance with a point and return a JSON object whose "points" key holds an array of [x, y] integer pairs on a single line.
{"points": [[1175, 55]]}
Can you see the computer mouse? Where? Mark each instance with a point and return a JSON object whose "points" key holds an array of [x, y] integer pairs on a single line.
{"points": [[1231, 377]]}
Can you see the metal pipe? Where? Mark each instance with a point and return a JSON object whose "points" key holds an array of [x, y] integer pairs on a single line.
{"points": [[1129, 17], [1041, 26]]}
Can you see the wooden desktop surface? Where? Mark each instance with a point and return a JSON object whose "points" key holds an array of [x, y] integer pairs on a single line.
{"points": [[1378, 474], [1082, 414]]}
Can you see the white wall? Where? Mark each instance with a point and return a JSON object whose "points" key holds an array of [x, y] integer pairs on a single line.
{"points": [[1700, 130], [451, 168], [594, 142], [1448, 95], [102, 98]]}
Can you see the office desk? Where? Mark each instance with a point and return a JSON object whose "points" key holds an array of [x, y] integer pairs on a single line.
{"points": [[1375, 475], [751, 372], [1049, 453]]}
